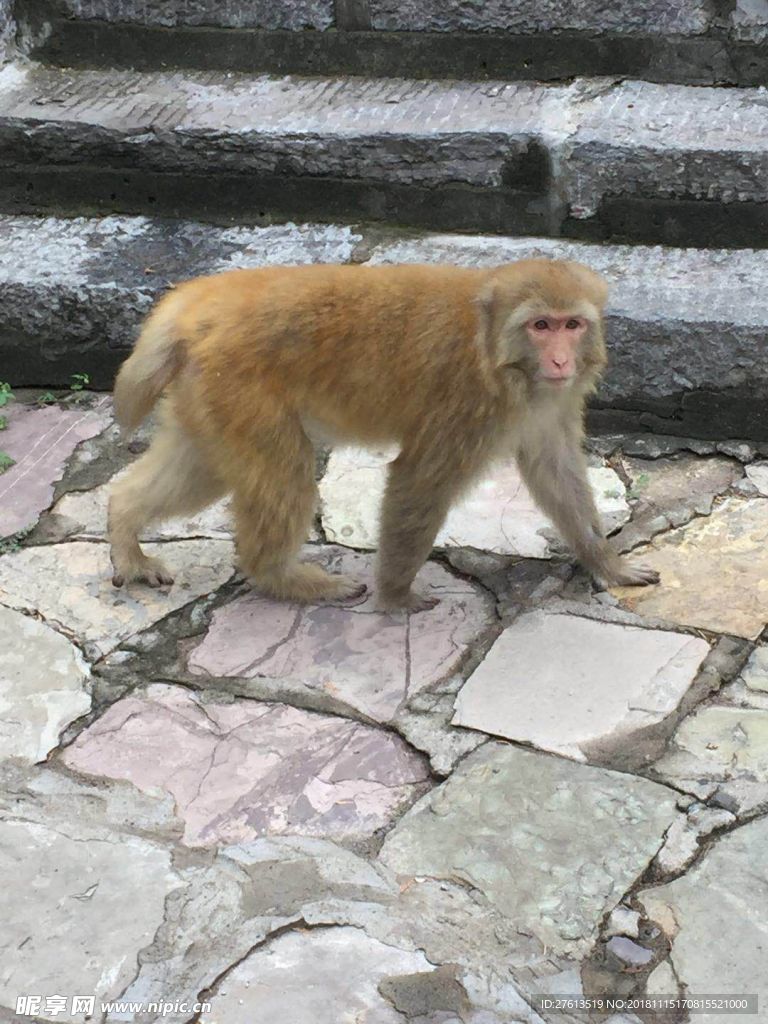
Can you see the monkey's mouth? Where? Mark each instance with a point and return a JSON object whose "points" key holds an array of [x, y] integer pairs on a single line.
{"points": [[556, 382]]}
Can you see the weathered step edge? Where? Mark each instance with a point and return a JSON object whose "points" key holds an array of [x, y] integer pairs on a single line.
{"points": [[686, 328], [596, 160], [545, 57], [688, 44]]}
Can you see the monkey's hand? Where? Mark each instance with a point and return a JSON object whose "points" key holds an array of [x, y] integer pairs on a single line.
{"points": [[629, 574]]}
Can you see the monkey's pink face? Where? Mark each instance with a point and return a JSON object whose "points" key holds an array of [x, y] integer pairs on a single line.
{"points": [[556, 339]]}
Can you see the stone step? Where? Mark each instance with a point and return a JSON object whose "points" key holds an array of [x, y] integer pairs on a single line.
{"points": [[686, 328], [596, 159], [72, 292], [690, 41]]}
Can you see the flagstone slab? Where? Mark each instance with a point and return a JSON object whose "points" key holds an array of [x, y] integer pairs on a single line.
{"points": [[755, 672], [549, 843], [40, 441], [364, 659], [497, 514], [70, 586], [326, 976], [245, 769], [82, 515], [78, 912], [758, 474], [715, 914], [238, 899], [714, 572], [678, 487], [87, 809], [43, 686], [682, 843], [569, 684], [720, 752]]}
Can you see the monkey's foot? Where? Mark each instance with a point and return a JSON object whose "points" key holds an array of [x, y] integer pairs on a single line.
{"points": [[628, 574], [308, 583], [359, 590], [147, 570], [411, 602]]}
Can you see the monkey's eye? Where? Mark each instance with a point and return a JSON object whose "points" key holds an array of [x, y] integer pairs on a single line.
{"points": [[572, 325], [541, 325]]}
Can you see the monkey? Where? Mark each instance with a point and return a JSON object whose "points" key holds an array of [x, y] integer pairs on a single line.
{"points": [[457, 366]]}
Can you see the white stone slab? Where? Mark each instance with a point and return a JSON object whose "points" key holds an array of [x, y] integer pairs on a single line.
{"points": [[86, 516], [43, 686], [564, 683], [497, 514], [758, 474], [70, 585], [755, 672], [326, 977], [77, 913]]}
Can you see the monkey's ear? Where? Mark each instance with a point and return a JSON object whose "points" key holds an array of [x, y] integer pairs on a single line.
{"points": [[487, 302], [501, 312]]}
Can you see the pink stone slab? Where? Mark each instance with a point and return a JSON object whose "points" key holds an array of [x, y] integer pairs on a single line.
{"points": [[370, 661], [247, 769], [40, 441]]}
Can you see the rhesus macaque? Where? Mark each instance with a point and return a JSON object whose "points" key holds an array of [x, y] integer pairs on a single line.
{"points": [[459, 367]]}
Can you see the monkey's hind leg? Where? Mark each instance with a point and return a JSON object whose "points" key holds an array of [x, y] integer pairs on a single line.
{"points": [[170, 479], [274, 502]]}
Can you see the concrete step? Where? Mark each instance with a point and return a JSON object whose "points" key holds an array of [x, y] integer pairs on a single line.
{"points": [[596, 160], [691, 41], [686, 327]]}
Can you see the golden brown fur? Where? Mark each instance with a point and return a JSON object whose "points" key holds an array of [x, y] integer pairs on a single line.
{"points": [[434, 358]]}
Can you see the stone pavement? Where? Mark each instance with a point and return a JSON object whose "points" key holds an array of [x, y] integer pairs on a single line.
{"points": [[323, 814]]}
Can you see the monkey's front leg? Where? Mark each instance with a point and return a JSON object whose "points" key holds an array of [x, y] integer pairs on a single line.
{"points": [[415, 505], [556, 476]]}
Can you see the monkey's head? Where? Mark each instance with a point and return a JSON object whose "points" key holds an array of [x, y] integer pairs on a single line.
{"points": [[544, 319]]}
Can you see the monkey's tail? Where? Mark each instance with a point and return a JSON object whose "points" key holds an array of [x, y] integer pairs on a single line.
{"points": [[156, 359]]}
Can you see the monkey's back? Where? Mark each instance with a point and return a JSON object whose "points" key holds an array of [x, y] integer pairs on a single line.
{"points": [[354, 347]]}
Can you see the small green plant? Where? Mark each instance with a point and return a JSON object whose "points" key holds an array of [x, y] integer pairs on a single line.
{"points": [[46, 398], [13, 543], [79, 381], [6, 395], [640, 481]]}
